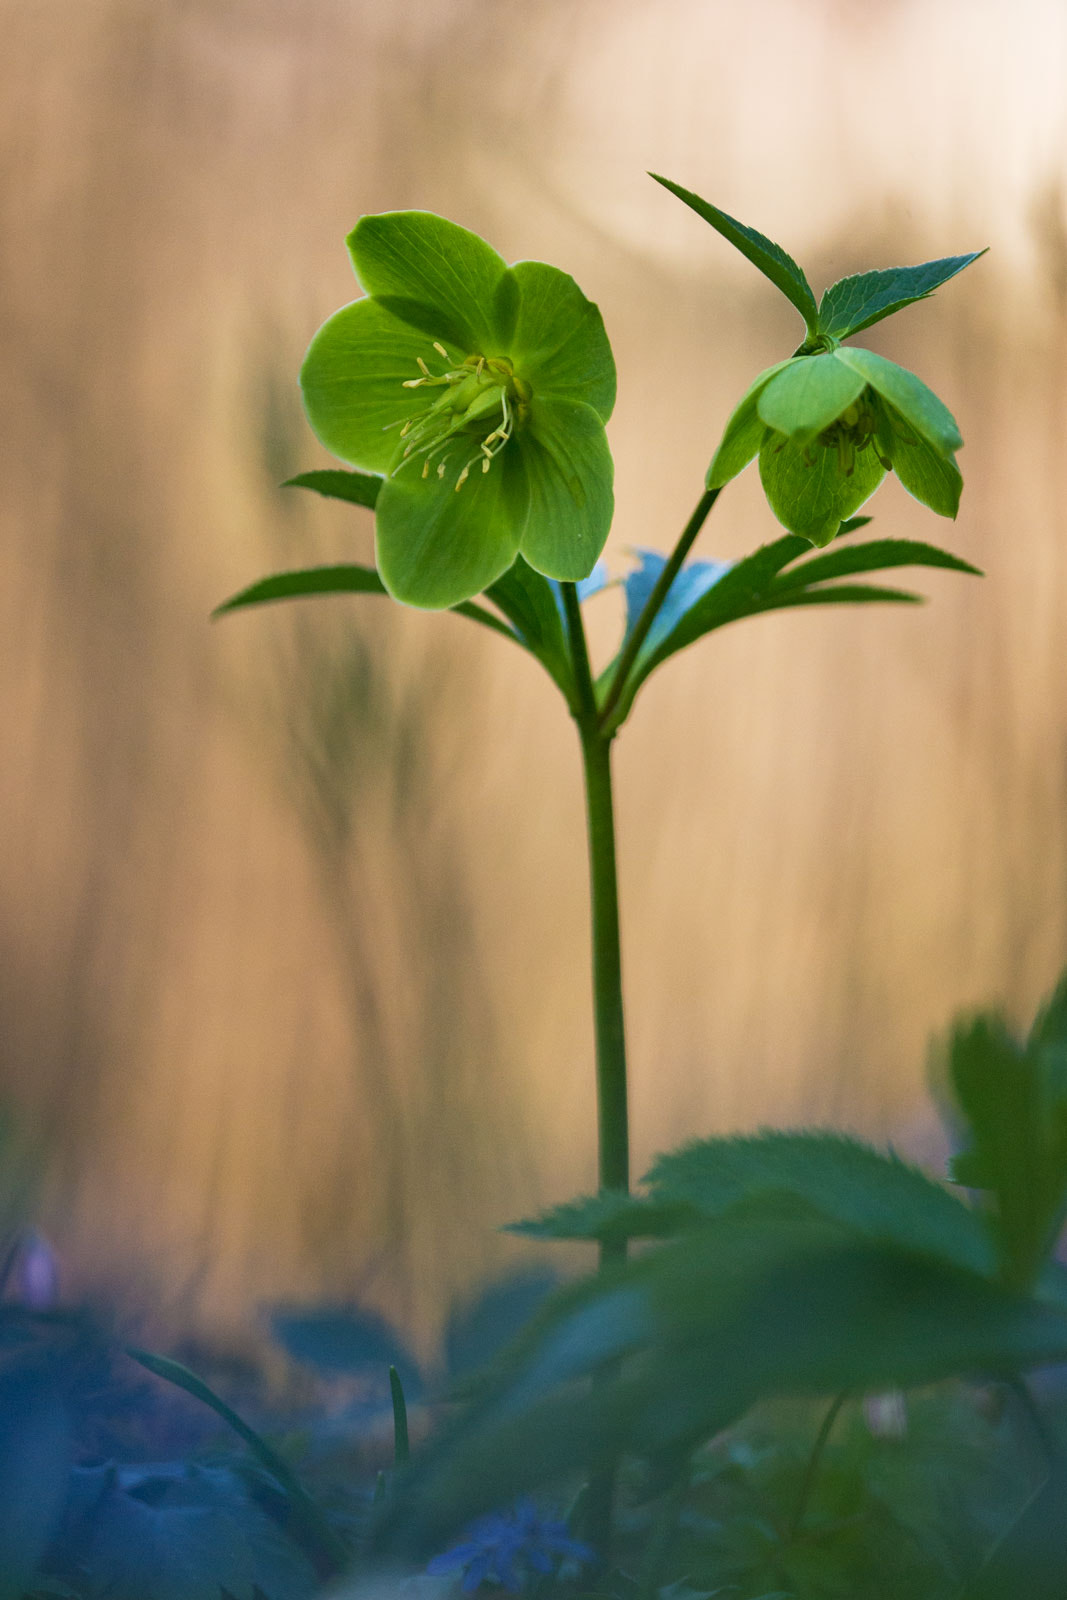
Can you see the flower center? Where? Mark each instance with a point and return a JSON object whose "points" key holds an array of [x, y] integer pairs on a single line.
{"points": [[853, 431], [481, 403]]}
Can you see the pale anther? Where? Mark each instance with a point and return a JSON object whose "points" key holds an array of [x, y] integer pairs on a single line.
{"points": [[441, 351]]}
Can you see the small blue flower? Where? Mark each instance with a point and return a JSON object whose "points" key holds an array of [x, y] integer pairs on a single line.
{"points": [[500, 1546]]}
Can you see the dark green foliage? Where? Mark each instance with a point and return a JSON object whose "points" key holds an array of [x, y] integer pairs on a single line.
{"points": [[359, 488], [859, 301], [774, 262], [690, 1336], [1012, 1095]]}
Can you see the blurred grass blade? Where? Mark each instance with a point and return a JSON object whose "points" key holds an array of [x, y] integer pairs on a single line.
{"points": [[322, 1540], [401, 1446]]}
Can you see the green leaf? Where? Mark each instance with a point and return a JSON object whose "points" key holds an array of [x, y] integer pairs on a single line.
{"points": [[353, 380], [808, 489], [529, 602], [436, 545], [358, 487], [609, 1215], [769, 257], [559, 344], [309, 581], [808, 396], [568, 470], [743, 434], [863, 299], [698, 1330], [838, 594], [934, 479], [843, 1179], [918, 405], [878, 555], [1013, 1097], [425, 262], [337, 580]]}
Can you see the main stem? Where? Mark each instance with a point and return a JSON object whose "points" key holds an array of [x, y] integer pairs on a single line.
{"points": [[612, 1113], [613, 1131]]}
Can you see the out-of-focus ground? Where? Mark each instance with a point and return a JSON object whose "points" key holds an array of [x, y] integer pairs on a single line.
{"points": [[293, 977]]}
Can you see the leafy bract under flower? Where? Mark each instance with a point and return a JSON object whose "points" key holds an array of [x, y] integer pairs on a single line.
{"points": [[828, 426], [481, 392]]}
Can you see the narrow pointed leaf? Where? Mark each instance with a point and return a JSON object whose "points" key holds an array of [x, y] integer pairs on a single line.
{"points": [[864, 298], [360, 488], [530, 603], [840, 594], [774, 262], [876, 556], [610, 1215], [337, 580]]}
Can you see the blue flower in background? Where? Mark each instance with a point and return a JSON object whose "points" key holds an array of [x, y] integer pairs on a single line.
{"points": [[498, 1548]]}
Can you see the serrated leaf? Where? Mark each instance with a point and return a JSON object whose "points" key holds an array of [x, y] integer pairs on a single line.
{"points": [[864, 298], [697, 1331], [1013, 1097], [608, 1216], [876, 556], [844, 1179], [359, 488], [774, 262], [346, 579]]}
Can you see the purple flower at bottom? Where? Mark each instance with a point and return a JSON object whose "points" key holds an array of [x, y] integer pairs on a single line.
{"points": [[499, 1547]]}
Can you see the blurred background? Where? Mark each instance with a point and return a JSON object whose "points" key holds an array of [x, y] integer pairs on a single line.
{"points": [[293, 970]]}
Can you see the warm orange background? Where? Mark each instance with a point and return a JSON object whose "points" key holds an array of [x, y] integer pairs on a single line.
{"points": [[292, 980]]}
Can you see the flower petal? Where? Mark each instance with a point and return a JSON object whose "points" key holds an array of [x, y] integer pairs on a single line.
{"points": [[744, 432], [436, 545], [809, 395], [930, 476], [559, 344], [353, 381], [807, 489], [436, 268], [569, 473], [917, 404]]}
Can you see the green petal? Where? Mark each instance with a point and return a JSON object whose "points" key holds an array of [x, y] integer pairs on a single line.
{"points": [[807, 489], [916, 403], [744, 432], [927, 474], [559, 344], [569, 472], [437, 546], [428, 263], [353, 382], [809, 396]]}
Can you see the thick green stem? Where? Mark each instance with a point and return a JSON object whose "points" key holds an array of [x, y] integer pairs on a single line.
{"points": [[613, 1136], [612, 1116]]}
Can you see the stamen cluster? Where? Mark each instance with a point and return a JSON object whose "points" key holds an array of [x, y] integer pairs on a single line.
{"points": [[477, 391]]}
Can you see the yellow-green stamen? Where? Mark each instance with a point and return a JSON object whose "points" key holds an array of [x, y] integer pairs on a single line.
{"points": [[479, 391]]}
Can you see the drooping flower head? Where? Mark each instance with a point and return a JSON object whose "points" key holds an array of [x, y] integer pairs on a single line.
{"points": [[830, 422], [827, 428], [481, 392]]}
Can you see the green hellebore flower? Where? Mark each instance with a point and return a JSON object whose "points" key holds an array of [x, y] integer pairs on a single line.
{"points": [[481, 392], [828, 426]]}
